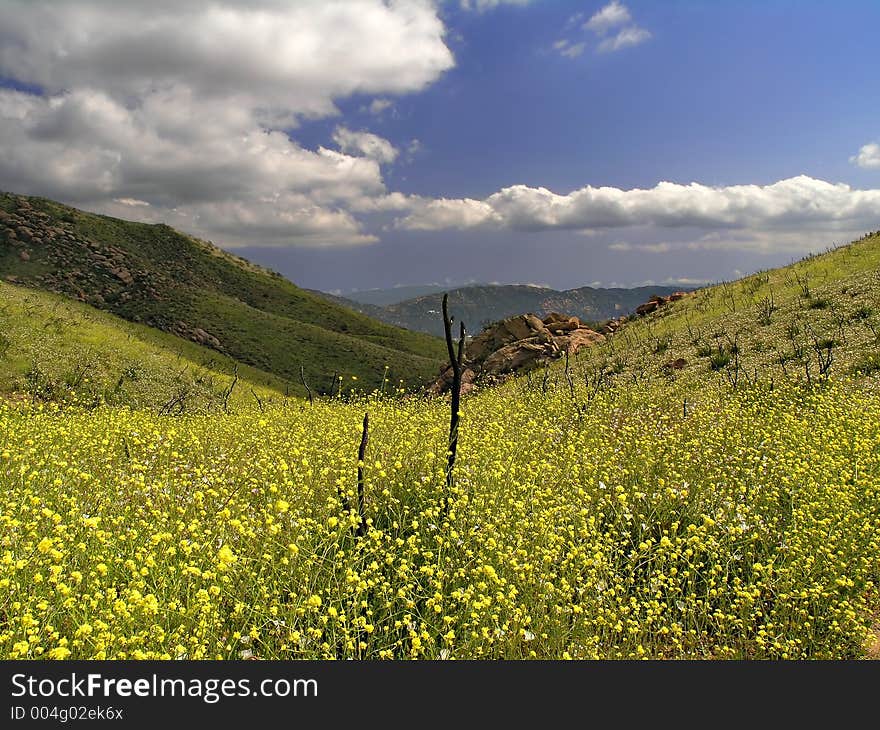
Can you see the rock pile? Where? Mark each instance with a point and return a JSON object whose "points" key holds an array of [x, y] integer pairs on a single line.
{"points": [[652, 305], [518, 344]]}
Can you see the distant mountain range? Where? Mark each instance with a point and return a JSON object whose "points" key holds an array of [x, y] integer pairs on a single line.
{"points": [[482, 304], [384, 297]]}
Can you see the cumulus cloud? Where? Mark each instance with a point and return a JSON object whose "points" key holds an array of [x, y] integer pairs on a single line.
{"points": [[627, 37], [365, 144], [610, 16], [614, 19], [184, 106], [868, 157], [432, 215], [291, 58], [791, 205]]}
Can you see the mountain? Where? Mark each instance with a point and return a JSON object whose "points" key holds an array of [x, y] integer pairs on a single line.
{"points": [[479, 305], [371, 310], [384, 297], [155, 275]]}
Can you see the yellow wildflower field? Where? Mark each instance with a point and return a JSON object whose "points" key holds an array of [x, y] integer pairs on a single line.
{"points": [[614, 524]]}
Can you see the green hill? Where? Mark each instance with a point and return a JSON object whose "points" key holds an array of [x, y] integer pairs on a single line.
{"points": [[160, 277], [813, 320], [55, 349]]}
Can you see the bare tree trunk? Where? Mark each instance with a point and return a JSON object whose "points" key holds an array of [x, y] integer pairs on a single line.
{"points": [[455, 360], [302, 377], [362, 453]]}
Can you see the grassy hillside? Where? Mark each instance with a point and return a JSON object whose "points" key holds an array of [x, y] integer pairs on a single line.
{"points": [[160, 277], [814, 320], [684, 490], [55, 349], [480, 305]]}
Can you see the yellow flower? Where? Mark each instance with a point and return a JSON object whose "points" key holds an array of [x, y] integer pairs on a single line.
{"points": [[225, 556]]}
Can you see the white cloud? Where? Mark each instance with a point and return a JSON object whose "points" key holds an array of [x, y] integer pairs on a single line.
{"points": [[612, 15], [868, 157], [85, 147], [432, 215], [292, 58], [766, 241], [383, 203], [646, 247], [614, 18], [272, 222], [365, 144], [483, 5], [377, 107], [182, 106], [569, 50], [631, 36], [788, 207], [131, 202]]}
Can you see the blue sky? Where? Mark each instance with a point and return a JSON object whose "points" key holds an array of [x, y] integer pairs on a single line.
{"points": [[416, 142]]}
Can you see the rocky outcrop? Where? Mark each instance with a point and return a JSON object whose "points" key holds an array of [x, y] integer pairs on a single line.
{"points": [[196, 334], [518, 344], [649, 307]]}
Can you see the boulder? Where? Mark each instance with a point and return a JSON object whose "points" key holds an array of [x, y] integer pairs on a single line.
{"points": [[677, 364], [123, 274], [443, 383], [582, 338], [647, 308], [534, 323], [511, 358], [572, 324], [204, 338], [554, 317], [516, 328]]}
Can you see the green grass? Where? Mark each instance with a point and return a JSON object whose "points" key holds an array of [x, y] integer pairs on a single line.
{"points": [[55, 349], [764, 327], [259, 317]]}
